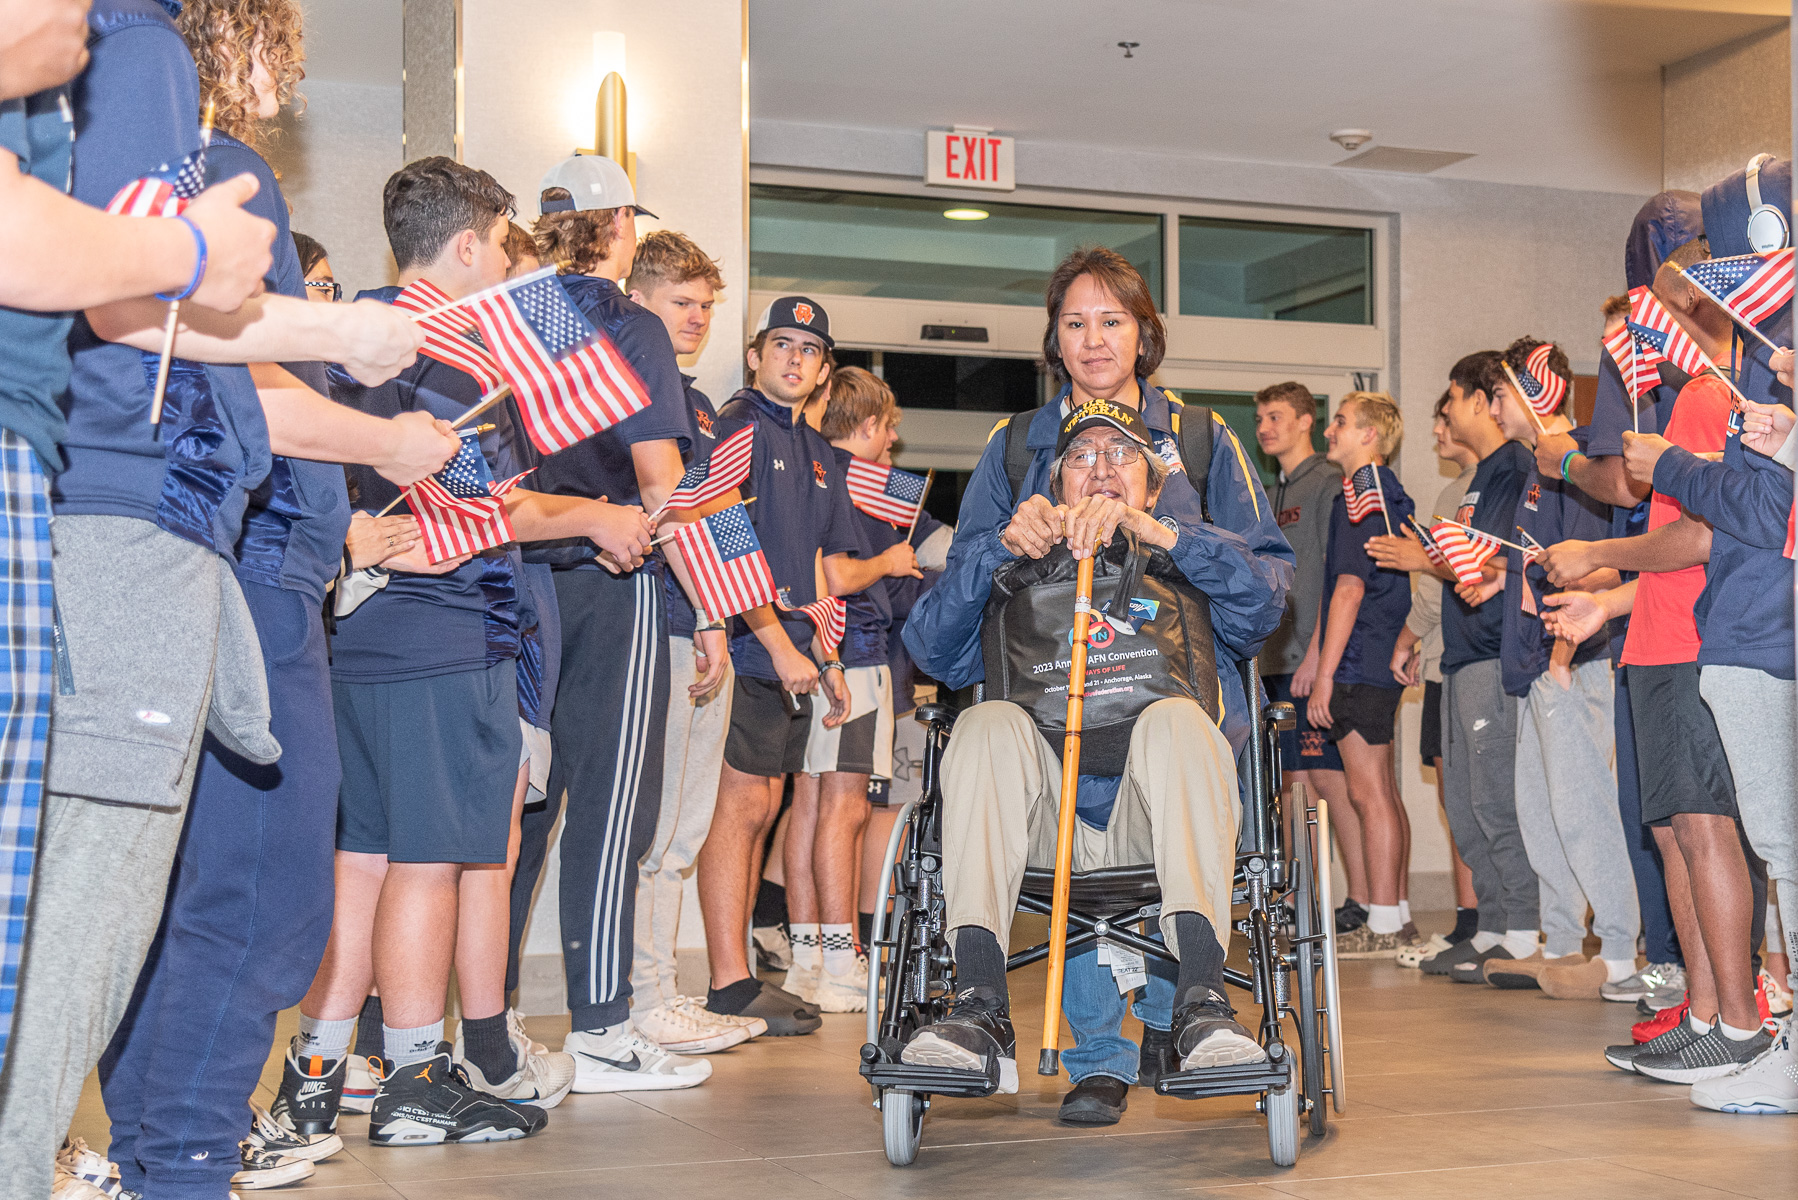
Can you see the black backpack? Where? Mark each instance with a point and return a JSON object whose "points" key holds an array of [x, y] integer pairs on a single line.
{"points": [[1192, 424]]}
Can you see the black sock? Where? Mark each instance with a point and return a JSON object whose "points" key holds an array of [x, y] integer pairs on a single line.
{"points": [[1467, 923], [1201, 958], [486, 1044], [369, 1042], [865, 926], [979, 960], [735, 998], [770, 905]]}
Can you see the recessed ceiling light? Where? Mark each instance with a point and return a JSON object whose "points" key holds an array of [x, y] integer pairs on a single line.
{"points": [[966, 214]]}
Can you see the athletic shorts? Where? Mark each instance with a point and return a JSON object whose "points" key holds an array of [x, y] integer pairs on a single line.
{"points": [[863, 743], [429, 766], [1366, 709], [1679, 756], [1306, 747], [907, 781], [1429, 738], [766, 738]]}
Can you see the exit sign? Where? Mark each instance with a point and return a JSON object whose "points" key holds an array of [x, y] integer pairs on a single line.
{"points": [[970, 158]]}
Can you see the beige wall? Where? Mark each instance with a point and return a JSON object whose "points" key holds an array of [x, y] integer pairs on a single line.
{"points": [[333, 159], [1721, 108]]}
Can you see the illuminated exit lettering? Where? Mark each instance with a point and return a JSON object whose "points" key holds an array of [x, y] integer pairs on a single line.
{"points": [[969, 158]]}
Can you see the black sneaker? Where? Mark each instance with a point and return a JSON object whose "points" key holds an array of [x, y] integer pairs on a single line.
{"points": [[428, 1103], [976, 1031], [1709, 1056], [1350, 916], [311, 1091], [1207, 1034], [1095, 1100], [267, 1133], [1674, 1040], [1157, 1058], [261, 1168]]}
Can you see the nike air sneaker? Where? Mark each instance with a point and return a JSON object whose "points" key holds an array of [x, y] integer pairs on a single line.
{"points": [[1769, 1084], [975, 1036], [679, 1028], [1207, 1034], [845, 993], [266, 1169], [620, 1059], [267, 1133], [431, 1102], [311, 1092], [540, 1079]]}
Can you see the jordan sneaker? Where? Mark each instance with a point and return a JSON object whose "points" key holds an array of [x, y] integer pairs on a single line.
{"points": [[1769, 1084], [539, 1079], [975, 1035], [310, 1093], [431, 1102], [620, 1059]]}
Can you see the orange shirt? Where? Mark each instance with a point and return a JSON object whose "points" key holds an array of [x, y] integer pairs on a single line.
{"points": [[1662, 629]]}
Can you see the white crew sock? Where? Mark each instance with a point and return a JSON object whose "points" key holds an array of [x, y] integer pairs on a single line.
{"points": [[1384, 918], [839, 948], [1521, 943], [1697, 1025], [1618, 969], [326, 1039], [1404, 913], [1734, 1034], [1483, 941], [808, 951]]}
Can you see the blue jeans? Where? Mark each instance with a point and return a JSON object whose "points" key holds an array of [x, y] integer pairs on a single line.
{"points": [[249, 909], [1095, 1010]]}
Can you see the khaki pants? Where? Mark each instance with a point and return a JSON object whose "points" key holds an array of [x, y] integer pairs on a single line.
{"points": [[1177, 808]]}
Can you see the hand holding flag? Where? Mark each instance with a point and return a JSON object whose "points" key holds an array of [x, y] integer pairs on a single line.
{"points": [[451, 335], [1467, 549], [461, 510], [831, 615], [725, 559]]}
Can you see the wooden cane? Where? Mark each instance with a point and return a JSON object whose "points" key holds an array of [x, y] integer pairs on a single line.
{"points": [[1049, 1062]]}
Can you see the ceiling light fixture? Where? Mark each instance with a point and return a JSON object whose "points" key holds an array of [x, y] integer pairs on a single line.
{"points": [[966, 214], [1127, 47], [1352, 139]]}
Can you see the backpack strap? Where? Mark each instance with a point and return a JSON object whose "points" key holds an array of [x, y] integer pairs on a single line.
{"points": [[1192, 424], [1017, 451]]}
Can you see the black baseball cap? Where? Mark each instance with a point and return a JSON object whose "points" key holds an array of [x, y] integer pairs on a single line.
{"points": [[797, 312], [1107, 413]]}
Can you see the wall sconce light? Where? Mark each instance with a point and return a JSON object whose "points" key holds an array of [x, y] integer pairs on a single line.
{"points": [[611, 135]]}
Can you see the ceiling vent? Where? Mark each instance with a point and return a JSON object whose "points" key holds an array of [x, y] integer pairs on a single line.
{"points": [[1397, 158]]}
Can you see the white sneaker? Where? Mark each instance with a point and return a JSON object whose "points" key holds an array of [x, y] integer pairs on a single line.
{"points": [[802, 981], [755, 1025], [537, 1078], [620, 1059], [515, 1025], [360, 1083], [845, 993], [1416, 956], [266, 1133], [267, 1169], [1768, 1084], [1779, 1000], [683, 1029], [67, 1186], [89, 1166]]}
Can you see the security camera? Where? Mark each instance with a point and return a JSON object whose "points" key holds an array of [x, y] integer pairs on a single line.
{"points": [[1352, 139]]}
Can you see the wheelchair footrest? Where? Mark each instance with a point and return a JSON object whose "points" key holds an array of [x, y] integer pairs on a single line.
{"points": [[934, 1081], [1227, 1081]]}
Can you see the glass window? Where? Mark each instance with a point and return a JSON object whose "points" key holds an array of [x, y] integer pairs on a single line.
{"points": [[1276, 272], [971, 383], [925, 248], [1238, 411]]}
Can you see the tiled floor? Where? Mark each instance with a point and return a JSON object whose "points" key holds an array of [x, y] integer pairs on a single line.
{"points": [[1454, 1092]]}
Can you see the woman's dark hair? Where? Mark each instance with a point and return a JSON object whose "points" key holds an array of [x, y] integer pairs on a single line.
{"points": [[311, 253], [1113, 272]]}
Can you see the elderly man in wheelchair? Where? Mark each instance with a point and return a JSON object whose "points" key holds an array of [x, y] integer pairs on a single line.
{"points": [[1161, 790]]}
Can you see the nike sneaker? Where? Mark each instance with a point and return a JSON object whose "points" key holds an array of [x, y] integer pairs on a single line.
{"points": [[431, 1102], [311, 1090], [1207, 1034], [541, 1079], [1769, 1084], [620, 1059], [976, 1032]]}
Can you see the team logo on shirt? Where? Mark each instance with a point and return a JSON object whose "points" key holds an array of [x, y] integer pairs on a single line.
{"points": [[1289, 516], [802, 313], [703, 419], [1534, 497], [1464, 514], [779, 464], [818, 476]]}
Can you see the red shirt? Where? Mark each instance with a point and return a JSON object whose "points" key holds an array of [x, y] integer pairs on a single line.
{"points": [[1662, 629]]}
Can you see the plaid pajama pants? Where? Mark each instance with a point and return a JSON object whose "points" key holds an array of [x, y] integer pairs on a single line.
{"points": [[30, 607]]}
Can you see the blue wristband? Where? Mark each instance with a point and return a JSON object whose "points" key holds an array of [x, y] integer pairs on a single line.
{"points": [[193, 284], [1565, 459]]}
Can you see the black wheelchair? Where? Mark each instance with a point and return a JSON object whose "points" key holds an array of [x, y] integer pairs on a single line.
{"points": [[1287, 923]]}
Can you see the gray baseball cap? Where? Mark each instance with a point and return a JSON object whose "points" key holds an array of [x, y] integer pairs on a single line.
{"points": [[592, 182]]}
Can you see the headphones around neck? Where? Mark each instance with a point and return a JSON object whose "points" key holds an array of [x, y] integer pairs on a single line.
{"points": [[1767, 229]]}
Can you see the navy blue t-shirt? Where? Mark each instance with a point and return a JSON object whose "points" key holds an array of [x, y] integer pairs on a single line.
{"points": [[870, 613], [602, 465], [1470, 634], [297, 519], [802, 506], [424, 625], [1550, 511], [1386, 601], [40, 131]]}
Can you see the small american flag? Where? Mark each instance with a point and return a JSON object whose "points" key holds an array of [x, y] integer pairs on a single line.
{"points": [[831, 616], [1751, 286], [1429, 544], [1659, 339], [725, 559], [460, 509], [885, 493], [723, 469], [1467, 550], [1543, 389], [450, 333], [570, 381], [1363, 494], [163, 193], [1621, 346]]}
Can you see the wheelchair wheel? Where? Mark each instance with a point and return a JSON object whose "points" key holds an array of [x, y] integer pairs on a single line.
{"points": [[1332, 997], [1306, 1014], [902, 1125], [1282, 1108], [876, 962]]}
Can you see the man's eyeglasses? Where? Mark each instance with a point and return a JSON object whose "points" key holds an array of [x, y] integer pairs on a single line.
{"points": [[331, 285], [1117, 454]]}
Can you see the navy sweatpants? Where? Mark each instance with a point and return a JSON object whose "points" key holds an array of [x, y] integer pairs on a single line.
{"points": [[606, 734], [249, 910]]}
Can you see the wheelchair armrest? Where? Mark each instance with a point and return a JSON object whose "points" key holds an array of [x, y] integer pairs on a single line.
{"points": [[936, 714], [1282, 715]]}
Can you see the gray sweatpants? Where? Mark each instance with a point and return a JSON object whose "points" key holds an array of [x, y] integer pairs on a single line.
{"points": [[1479, 756], [1755, 713], [1567, 812], [143, 614]]}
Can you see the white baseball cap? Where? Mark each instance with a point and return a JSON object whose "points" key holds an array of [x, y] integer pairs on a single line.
{"points": [[592, 182]]}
